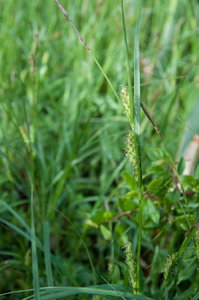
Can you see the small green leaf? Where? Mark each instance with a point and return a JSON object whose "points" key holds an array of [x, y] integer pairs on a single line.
{"points": [[131, 194], [189, 181], [127, 204], [105, 232], [181, 166], [156, 170], [155, 154], [108, 215], [155, 183], [196, 189], [97, 216], [150, 210], [130, 180]]}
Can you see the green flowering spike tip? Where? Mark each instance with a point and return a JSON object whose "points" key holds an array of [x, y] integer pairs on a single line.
{"points": [[169, 266], [124, 96]]}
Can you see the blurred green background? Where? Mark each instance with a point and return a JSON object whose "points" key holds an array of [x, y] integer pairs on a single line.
{"points": [[62, 128]]}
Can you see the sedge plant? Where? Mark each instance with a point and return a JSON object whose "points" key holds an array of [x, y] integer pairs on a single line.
{"points": [[133, 148], [133, 153]]}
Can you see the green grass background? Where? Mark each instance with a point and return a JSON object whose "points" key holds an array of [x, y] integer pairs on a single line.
{"points": [[78, 127]]}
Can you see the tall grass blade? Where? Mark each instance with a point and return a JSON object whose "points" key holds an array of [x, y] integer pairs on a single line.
{"points": [[137, 136], [35, 269], [47, 254], [137, 81]]}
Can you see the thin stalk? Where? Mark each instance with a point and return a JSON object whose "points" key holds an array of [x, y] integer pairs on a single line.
{"points": [[135, 119], [137, 122]]}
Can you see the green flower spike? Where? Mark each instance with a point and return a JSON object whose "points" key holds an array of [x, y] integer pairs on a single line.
{"points": [[169, 266], [130, 152], [131, 265], [196, 240]]}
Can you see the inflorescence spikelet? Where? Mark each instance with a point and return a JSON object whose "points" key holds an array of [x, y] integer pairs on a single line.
{"points": [[196, 240], [169, 266], [130, 139], [131, 264]]}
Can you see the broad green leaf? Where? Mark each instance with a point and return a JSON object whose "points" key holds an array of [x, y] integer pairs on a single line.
{"points": [[156, 170], [108, 215], [105, 232], [127, 204], [131, 194], [150, 211], [196, 189], [155, 183], [97, 216], [130, 180], [189, 181], [155, 154]]}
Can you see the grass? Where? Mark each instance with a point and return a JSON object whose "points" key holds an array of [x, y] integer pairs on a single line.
{"points": [[62, 129]]}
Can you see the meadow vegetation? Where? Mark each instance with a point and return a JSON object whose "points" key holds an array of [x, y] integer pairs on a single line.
{"points": [[69, 205]]}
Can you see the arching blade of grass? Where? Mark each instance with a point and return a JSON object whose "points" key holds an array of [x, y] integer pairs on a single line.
{"points": [[87, 251], [188, 126], [102, 290], [57, 293], [35, 269], [23, 223]]}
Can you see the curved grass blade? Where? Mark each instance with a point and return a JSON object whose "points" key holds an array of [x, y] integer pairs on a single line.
{"points": [[92, 266], [60, 292], [23, 223], [35, 269]]}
